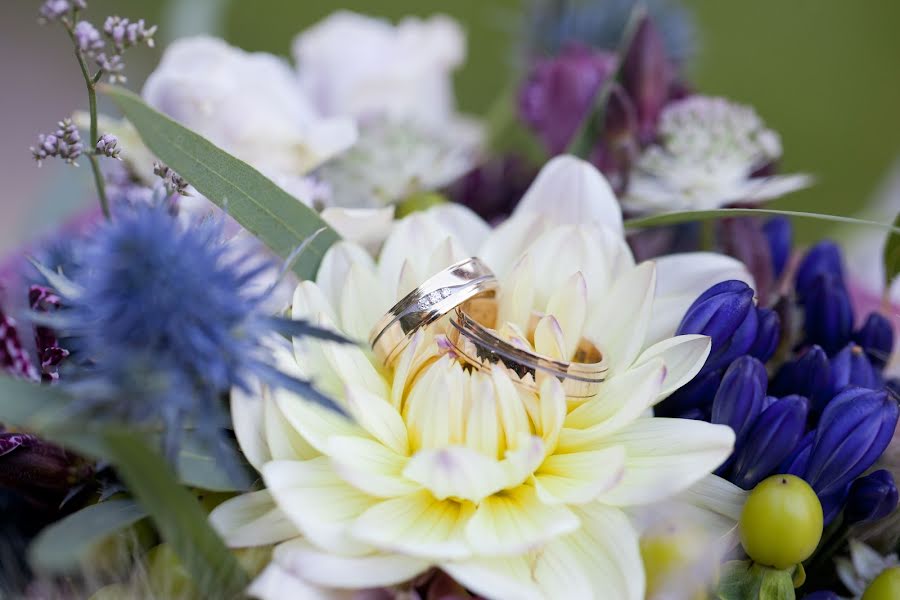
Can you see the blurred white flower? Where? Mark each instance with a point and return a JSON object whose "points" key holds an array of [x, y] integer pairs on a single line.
{"points": [[352, 64], [708, 152], [249, 104], [514, 493], [863, 566]]}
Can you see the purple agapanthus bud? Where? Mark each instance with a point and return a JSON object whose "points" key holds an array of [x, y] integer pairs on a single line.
{"points": [[558, 93], [871, 497], [87, 38], [854, 430], [828, 313], [108, 145], [34, 467], [779, 233], [740, 396], [796, 462], [824, 257], [809, 376], [697, 394], [647, 74], [850, 366], [876, 337], [768, 334], [727, 314], [771, 439]]}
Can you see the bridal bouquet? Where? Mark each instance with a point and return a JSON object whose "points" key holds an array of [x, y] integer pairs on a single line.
{"points": [[327, 337]]}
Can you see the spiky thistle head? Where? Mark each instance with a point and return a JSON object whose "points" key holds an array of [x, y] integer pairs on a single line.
{"points": [[164, 323]]}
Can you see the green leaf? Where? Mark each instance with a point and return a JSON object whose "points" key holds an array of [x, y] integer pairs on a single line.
{"points": [[278, 219], [673, 218], [62, 546], [892, 254], [178, 517], [42, 410], [740, 580]]}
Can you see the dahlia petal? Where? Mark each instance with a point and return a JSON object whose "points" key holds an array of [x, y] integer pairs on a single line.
{"points": [[251, 519], [316, 424], [358, 318], [318, 502], [619, 324], [666, 456], [417, 524], [336, 264], [569, 190], [468, 228], [515, 300], [277, 583], [569, 306], [549, 339], [553, 407], [350, 572], [579, 477], [248, 417], [681, 278], [508, 577], [456, 472], [683, 356], [516, 520], [559, 573], [370, 467], [620, 401], [368, 227], [377, 416], [509, 241], [283, 440]]}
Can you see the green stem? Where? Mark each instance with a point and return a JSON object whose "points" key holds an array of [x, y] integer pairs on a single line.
{"points": [[90, 83]]}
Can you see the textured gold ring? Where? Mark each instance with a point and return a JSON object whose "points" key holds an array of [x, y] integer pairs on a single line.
{"points": [[472, 336], [438, 296]]}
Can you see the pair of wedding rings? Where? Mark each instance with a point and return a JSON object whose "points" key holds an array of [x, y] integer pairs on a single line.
{"points": [[466, 292]]}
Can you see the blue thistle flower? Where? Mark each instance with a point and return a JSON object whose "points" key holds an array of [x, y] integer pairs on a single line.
{"points": [[164, 325]]}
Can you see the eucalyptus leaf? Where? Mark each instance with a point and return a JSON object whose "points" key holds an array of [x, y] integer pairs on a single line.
{"points": [[685, 216], [178, 517], [278, 219], [892, 254], [63, 546]]}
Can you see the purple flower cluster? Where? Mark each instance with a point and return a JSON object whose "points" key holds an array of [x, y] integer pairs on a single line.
{"points": [[561, 91], [64, 143], [826, 415]]}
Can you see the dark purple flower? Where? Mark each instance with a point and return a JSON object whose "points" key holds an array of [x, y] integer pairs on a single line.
{"points": [[727, 314], [559, 92], [823, 258], [828, 314], [493, 188], [779, 233], [876, 337], [38, 469], [647, 76], [871, 497], [771, 439], [50, 353], [13, 357], [822, 595], [744, 239], [768, 334], [854, 430], [809, 376], [740, 397], [850, 366]]}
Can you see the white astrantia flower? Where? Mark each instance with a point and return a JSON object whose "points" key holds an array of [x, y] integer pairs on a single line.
{"points": [[515, 494], [396, 159], [706, 157]]}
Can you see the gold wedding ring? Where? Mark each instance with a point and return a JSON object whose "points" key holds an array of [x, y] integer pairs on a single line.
{"points": [[472, 335], [438, 296]]}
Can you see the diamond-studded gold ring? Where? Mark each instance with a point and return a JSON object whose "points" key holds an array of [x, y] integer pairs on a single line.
{"points": [[473, 338], [438, 296]]}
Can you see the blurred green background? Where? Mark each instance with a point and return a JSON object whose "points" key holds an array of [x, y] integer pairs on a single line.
{"points": [[824, 73]]}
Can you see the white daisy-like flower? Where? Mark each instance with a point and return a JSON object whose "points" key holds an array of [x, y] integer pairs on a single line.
{"points": [[514, 493], [707, 154]]}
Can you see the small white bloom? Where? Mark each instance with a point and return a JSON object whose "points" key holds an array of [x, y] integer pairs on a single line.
{"points": [[249, 104], [708, 150], [352, 64], [863, 566]]}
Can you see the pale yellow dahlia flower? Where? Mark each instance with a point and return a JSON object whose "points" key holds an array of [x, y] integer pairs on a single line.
{"points": [[514, 494]]}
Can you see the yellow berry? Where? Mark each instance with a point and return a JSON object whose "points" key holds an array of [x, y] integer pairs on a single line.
{"points": [[781, 523], [885, 587]]}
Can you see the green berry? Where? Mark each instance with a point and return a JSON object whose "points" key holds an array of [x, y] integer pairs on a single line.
{"points": [[885, 587], [781, 523]]}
